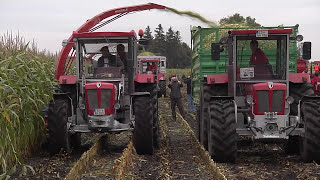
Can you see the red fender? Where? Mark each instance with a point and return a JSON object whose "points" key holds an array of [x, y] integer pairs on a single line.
{"points": [[91, 23]]}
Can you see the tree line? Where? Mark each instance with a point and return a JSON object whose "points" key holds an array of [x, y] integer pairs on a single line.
{"points": [[168, 44], [178, 53]]}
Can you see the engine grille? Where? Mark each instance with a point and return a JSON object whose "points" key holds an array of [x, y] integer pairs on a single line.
{"points": [[263, 101], [105, 98], [277, 99], [93, 99]]}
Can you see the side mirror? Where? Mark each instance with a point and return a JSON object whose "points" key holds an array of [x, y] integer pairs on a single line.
{"points": [[306, 51], [64, 42], [215, 51]]}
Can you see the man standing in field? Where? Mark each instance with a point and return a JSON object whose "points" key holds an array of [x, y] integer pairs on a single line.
{"points": [[191, 106], [175, 96]]}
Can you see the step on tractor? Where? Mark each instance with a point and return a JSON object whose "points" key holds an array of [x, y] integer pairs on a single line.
{"points": [[106, 95], [157, 66], [260, 95]]}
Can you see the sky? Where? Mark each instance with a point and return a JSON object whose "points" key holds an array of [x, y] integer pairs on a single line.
{"points": [[50, 22]]}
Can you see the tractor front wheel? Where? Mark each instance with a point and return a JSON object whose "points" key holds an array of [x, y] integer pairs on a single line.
{"points": [[310, 149], [143, 130], [59, 136], [222, 141]]}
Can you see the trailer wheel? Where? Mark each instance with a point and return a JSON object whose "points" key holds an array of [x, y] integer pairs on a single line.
{"points": [[163, 88], [297, 91], [59, 137], [311, 142], [222, 133], [143, 131]]}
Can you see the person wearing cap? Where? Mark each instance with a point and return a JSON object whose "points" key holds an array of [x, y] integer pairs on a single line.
{"points": [[175, 96], [107, 59]]}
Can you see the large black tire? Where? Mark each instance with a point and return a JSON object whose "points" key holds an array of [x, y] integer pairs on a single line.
{"points": [[297, 91], [163, 88], [206, 92], [156, 132], [311, 142], [222, 134], [152, 89], [143, 131], [59, 137]]}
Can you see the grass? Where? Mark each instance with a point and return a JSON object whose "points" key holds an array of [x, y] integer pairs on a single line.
{"points": [[26, 86]]}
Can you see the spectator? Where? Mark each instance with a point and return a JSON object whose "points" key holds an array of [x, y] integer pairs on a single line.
{"points": [[191, 105], [175, 96], [316, 83], [107, 59], [183, 76], [258, 57], [172, 75]]}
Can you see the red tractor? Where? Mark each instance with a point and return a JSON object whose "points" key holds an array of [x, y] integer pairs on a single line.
{"points": [[102, 97], [258, 96], [157, 66]]}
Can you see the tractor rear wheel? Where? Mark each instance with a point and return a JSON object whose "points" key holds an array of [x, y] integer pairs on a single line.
{"points": [[59, 136], [143, 131], [162, 86], [297, 91], [222, 133], [311, 142]]}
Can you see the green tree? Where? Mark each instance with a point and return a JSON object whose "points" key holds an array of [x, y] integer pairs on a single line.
{"points": [[148, 34], [238, 19], [159, 41]]}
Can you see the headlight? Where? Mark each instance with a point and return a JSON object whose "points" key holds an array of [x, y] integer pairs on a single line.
{"points": [[117, 106], [290, 100], [299, 38], [249, 100]]}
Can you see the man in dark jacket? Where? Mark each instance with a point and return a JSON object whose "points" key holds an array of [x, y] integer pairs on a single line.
{"points": [[107, 59], [191, 106], [175, 96]]}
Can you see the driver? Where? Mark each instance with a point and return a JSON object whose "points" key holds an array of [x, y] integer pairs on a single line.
{"points": [[258, 57], [107, 59]]}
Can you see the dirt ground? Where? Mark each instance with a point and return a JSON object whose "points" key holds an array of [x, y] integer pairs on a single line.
{"points": [[54, 167], [177, 157]]}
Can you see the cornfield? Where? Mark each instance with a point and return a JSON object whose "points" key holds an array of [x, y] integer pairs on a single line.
{"points": [[26, 86], [178, 73]]}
